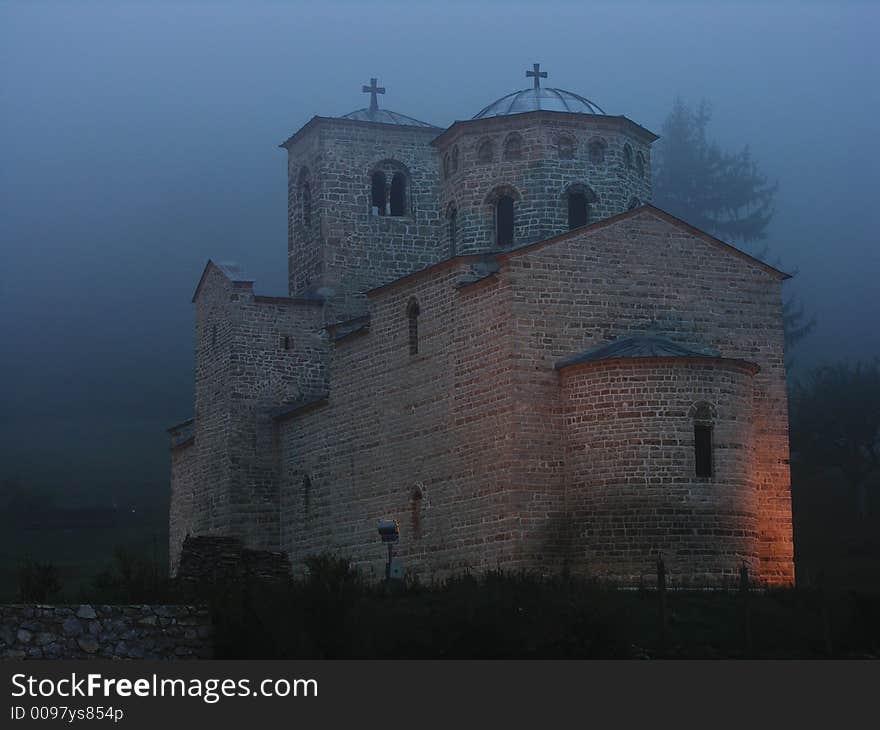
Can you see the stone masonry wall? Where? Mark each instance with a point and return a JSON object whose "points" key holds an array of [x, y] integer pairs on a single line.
{"points": [[465, 441], [278, 356], [421, 438], [643, 275], [631, 488], [181, 517], [252, 353], [541, 177], [343, 246], [104, 632]]}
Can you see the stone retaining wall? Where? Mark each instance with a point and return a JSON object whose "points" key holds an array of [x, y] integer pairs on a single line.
{"points": [[104, 632]]}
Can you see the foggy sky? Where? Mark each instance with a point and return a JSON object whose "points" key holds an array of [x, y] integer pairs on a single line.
{"points": [[137, 140]]}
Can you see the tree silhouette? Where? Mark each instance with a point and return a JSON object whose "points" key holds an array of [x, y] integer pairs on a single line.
{"points": [[835, 424], [722, 193]]}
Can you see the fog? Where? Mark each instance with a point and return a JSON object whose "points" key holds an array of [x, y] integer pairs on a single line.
{"points": [[137, 140]]}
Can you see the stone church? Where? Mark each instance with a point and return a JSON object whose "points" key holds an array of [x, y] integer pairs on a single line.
{"points": [[492, 336]]}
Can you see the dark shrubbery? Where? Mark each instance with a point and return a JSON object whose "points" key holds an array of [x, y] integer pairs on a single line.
{"points": [[38, 582], [133, 578], [332, 613]]}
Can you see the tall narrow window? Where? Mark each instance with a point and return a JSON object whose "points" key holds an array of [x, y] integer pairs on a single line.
{"points": [[640, 165], [378, 193], [415, 506], [306, 204], [455, 159], [453, 216], [578, 210], [412, 314], [703, 449], [504, 221], [627, 156], [398, 194], [485, 152]]}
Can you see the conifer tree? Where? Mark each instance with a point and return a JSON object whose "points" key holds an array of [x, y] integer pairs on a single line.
{"points": [[722, 193]]}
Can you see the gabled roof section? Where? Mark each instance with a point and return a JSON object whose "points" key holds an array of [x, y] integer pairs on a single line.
{"points": [[636, 346], [657, 213], [526, 248], [232, 271], [413, 124]]}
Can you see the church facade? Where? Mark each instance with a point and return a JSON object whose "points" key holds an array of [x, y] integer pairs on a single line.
{"points": [[491, 336]]}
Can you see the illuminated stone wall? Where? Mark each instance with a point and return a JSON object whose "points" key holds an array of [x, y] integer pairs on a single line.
{"points": [[469, 442]]}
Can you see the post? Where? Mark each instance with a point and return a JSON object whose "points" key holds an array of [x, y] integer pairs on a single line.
{"points": [[745, 607], [661, 597], [825, 610]]}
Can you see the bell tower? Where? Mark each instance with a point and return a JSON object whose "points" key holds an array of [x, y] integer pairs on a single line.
{"points": [[363, 202]]}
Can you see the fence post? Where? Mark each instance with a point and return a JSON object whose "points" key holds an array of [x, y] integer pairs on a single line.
{"points": [[661, 597], [745, 607], [826, 615]]}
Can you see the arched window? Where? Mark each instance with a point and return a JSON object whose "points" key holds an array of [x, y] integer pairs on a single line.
{"points": [[504, 221], [447, 165], [455, 159], [565, 148], [412, 314], [398, 194], [703, 417], [597, 152], [627, 156], [378, 193], [513, 147], [305, 197], [640, 165], [452, 222], [486, 151], [633, 203], [578, 209], [579, 199]]}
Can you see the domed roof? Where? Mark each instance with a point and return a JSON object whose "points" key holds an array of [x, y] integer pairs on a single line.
{"points": [[544, 99], [381, 116], [539, 98]]}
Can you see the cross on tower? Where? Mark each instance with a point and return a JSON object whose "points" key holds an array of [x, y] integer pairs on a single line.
{"points": [[372, 90], [538, 74]]}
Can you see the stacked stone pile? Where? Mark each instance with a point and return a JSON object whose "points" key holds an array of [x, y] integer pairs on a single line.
{"points": [[214, 559], [106, 632]]}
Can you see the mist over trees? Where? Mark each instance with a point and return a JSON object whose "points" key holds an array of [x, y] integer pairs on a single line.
{"points": [[723, 193]]}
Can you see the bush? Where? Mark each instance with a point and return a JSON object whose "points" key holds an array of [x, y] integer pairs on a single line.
{"points": [[38, 582]]}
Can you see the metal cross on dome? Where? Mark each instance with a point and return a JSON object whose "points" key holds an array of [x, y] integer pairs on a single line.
{"points": [[372, 90], [537, 73]]}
